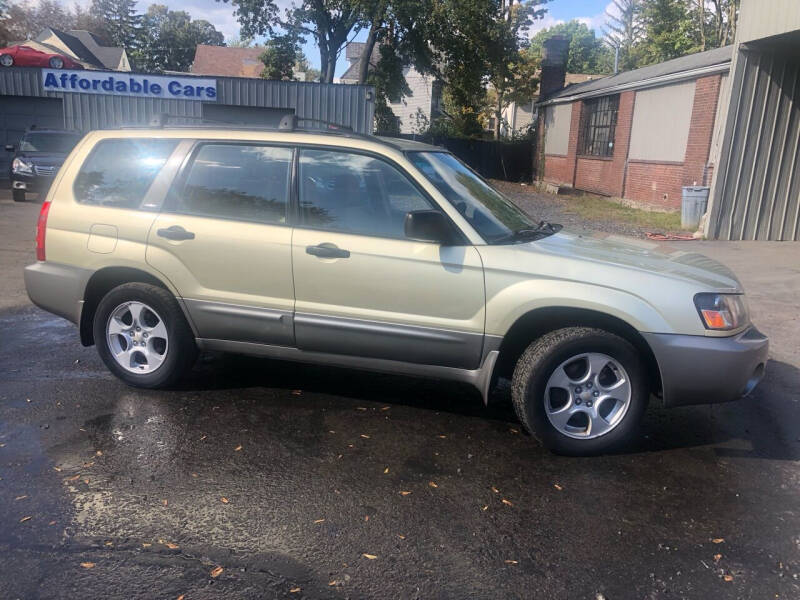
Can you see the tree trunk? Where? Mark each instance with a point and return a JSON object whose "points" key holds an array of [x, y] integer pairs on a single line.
{"points": [[498, 116], [369, 46], [323, 62]]}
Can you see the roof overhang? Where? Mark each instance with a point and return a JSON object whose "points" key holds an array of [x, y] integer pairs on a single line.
{"points": [[723, 67]]}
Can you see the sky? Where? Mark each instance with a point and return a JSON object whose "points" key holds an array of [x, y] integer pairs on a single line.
{"points": [[220, 14]]}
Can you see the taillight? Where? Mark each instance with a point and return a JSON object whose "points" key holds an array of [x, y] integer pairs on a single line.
{"points": [[41, 227]]}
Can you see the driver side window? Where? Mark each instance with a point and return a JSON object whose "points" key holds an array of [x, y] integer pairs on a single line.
{"points": [[355, 193]]}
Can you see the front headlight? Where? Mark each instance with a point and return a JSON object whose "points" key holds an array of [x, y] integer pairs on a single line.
{"points": [[722, 312], [20, 166]]}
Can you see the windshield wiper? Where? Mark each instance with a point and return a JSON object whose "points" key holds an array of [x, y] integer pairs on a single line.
{"points": [[543, 229]]}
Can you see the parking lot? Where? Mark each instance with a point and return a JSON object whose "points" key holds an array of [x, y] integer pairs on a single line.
{"points": [[264, 479]]}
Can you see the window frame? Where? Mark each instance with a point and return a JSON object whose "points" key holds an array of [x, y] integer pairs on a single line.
{"points": [[587, 133], [172, 199], [144, 204]]}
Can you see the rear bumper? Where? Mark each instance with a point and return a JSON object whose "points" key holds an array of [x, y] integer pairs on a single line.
{"points": [[57, 288], [702, 370]]}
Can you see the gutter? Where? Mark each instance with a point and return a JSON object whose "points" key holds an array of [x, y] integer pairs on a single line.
{"points": [[643, 83]]}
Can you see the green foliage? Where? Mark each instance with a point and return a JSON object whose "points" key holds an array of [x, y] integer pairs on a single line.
{"points": [[624, 31], [669, 31], [587, 53], [390, 86], [170, 38], [121, 22], [279, 57]]}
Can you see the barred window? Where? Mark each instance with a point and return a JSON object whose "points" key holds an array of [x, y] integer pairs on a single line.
{"points": [[598, 122]]}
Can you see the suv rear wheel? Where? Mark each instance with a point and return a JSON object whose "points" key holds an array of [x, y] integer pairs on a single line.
{"points": [[142, 335], [580, 390]]}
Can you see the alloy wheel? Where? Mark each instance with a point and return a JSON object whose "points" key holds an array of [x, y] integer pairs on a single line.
{"points": [[137, 337]]}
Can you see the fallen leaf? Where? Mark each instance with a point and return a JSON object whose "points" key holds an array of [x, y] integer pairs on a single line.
{"points": [[386, 470], [514, 430], [485, 507], [717, 540], [404, 493], [558, 487], [334, 582], [99, 453], [2, 445], [194, 475], [88, 565], [318, 521], [146, 545], [728, 577], [386, 408], [717, 557], [20, 498], [239, 447], [181, 597], [365, 436], [73, 478], [402, 537], [172, 546], [360, 408], [52, 523], [165, 501], [81, 428], [216, 571], [88, 464], [23, 519], [507, 502], [331, 431], [366, 518], [291, 591], [57, 469], [109, 544], [443, 437], [224, 500], [495, 490], [511, 562], [204, 437], [369, 556], [433, 484], [86, 481], [296, 392]]}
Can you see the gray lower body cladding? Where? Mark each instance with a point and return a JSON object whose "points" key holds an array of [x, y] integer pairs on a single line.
{"points": [[701, 370], [57, 288]]}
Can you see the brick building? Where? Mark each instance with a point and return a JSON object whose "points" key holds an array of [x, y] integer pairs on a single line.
{"points": [[639, 135]]}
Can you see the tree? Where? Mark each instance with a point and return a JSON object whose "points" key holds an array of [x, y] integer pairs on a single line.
{"points": [[26, 20], [669, 31], [587, 53], [169, 39], [624, 31], [279, 57], [122, 23], [724, 15]]}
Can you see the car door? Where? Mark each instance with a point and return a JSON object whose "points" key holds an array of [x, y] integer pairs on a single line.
{"points": [[361, 287], [224, 242]]}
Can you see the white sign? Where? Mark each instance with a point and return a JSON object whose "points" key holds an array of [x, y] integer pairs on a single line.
{"points": [[129, 84]]}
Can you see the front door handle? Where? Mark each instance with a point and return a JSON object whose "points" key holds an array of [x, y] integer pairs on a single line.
{"points": [[327, 251], [176, 232]]}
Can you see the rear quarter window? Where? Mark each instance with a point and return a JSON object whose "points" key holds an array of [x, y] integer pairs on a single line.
{"points": [[119, 172]]}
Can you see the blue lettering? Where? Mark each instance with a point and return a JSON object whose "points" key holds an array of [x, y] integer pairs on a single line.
{"points": [[50, 81], [121, 86], [108, 84], [84, 84], [135, 87], [95, 83], [174, 88], [211, 92], [188, 90], [155, 89]]}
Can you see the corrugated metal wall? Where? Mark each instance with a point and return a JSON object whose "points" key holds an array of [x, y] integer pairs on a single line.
{"points": [[757, 194], [349, 105]]}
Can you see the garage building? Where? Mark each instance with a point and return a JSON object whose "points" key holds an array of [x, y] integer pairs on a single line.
{"points": [[86, 100]]}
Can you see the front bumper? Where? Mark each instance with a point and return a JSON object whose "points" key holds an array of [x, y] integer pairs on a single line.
{"points": [[30, 183], [701, 370]]}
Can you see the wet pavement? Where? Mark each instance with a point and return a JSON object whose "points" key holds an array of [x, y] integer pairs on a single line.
{"points": [[310, 482]]}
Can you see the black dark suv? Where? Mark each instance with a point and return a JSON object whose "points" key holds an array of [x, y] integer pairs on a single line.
{"points": [[37, 159]]}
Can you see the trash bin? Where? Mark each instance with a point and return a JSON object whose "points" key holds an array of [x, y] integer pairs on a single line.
{"points": [[693, 205]]}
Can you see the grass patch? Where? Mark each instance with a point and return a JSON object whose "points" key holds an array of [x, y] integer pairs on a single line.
{"points": [[593, 208]]}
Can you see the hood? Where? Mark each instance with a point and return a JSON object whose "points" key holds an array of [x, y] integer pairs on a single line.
{"points": [[641, 255], [43, 159]]}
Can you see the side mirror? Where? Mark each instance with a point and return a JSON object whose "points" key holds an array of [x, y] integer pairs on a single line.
{"points": [[9, 147], [429, 226]]}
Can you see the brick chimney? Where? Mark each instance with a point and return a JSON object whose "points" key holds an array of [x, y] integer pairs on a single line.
{"points": [[554, 65]]}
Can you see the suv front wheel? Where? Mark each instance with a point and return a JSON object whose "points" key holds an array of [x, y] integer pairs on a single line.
{"points": [[142, 335], [580, 390]]}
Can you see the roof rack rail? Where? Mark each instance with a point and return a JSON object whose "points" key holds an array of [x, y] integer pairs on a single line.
{"points": [[287, 123]]}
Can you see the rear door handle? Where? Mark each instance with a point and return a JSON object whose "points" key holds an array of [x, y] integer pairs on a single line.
{"points": [[327, 251], [176, 232]]}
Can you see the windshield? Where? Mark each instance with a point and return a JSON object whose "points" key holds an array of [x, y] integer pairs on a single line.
{"points": [[57, 143], [492, 215]]}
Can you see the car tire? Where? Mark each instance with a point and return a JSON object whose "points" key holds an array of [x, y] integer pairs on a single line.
{"points": [[18, 195], [570, 402], [169, 351], [56, 62], [6, 60]]}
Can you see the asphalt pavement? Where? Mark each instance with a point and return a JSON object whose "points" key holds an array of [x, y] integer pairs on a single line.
{"points": [[265, 479]]}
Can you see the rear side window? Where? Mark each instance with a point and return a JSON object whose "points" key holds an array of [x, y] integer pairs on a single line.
{"points": [[237, 181], [119, 172]]}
